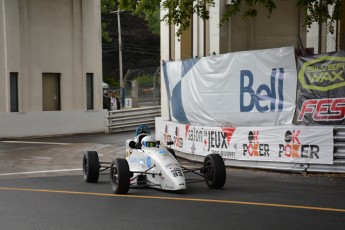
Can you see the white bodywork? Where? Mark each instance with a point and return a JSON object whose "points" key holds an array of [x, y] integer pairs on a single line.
{"points": [[166, 171]]}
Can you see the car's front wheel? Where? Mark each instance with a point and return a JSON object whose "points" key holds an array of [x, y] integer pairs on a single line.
{"points": [[120, 176], [172, 152], [214, 171]]}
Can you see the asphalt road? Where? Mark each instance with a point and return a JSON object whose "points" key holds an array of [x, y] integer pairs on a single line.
{"points": [[41, 187]]}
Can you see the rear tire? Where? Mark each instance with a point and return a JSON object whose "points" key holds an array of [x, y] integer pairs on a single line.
{"points": [[214, 171], [120, 176], [91, 167]]}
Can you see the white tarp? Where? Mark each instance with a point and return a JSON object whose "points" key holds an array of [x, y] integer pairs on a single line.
{"points": [[294, 144], [236, 89]]}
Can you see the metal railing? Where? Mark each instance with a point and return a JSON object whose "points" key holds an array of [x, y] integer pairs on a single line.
{"points": [[130, 119], [338, 153]]}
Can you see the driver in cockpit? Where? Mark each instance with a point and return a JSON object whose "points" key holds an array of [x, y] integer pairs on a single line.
{"points": [[148, 141]]}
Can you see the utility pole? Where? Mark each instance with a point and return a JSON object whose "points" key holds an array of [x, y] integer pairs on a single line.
{"points": [[122, 86]]}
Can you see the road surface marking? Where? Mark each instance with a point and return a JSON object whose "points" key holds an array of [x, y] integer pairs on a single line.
{"points": [[36, 158], [42, 158], [37, 172], [36, 142], [177, 199]]}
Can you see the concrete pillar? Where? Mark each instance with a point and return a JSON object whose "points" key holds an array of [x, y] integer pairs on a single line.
{"points": [[78, 101], [3, 59], [165, 49]]}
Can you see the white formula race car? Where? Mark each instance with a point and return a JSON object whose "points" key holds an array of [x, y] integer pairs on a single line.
{"points": [[147, 164]]}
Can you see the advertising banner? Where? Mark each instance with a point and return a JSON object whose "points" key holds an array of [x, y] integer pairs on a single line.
{"points": [[236, 89], [321, 89], [295, 144]]}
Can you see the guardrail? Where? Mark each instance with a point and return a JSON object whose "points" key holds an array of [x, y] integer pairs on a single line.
{"points": [[338, 165], [130, 119], [338, 153]]}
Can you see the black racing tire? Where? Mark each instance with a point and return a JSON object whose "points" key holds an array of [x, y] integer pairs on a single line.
{"points": [[214, 171], [172, 152], [91, 167], [120, 176]]}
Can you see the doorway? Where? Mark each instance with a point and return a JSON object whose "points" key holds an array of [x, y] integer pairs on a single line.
{"points": [[51, 91]]}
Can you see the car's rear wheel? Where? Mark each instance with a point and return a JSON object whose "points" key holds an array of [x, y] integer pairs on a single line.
{"points": [[214, 171], [91, 166], [120, 176]]}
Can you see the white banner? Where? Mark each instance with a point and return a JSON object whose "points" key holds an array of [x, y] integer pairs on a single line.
{"points": [[295, 144], [236, 89]]}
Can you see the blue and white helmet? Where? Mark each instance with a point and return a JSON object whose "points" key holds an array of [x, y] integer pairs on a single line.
{"points": [[148, 141]]}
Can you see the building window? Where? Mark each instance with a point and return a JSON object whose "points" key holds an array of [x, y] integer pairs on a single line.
{"points": [[51, 91], [89, 90], [14, 92]]}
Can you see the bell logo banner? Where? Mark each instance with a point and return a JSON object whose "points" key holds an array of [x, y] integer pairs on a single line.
{"points": [[234, 89]]}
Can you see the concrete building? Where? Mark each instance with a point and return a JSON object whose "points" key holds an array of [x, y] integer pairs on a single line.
{"points": [[50, 67]]}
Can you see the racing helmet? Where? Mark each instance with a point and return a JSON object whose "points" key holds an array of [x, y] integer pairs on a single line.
{"points": [[148, 141]]}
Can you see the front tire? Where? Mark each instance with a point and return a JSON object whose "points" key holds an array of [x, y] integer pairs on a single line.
{"points": [[172, 152], [91, 167], [120, 176], [214, 171]]}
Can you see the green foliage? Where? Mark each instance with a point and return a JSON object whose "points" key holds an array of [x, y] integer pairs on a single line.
{"points": [[111, 82], [154, 22], [106, 7], [146, 79], [250, 8], [105, 34], [179, 12], [148, 7], [320, 13]]}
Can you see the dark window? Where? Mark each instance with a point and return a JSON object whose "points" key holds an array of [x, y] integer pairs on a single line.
{"points": [[89, 90], [14, 92]]}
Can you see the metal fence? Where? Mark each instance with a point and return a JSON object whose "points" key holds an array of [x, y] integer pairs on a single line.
{"points": [[149, 94], [325, 44]]}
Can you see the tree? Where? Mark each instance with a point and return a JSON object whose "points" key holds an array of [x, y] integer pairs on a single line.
{"points": [[153, 21], [179, 12], [140, 47], [152, 17], [106, 7]]}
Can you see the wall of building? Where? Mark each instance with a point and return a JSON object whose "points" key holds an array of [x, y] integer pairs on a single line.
{"points": [[261, 32], [56, 36]]}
